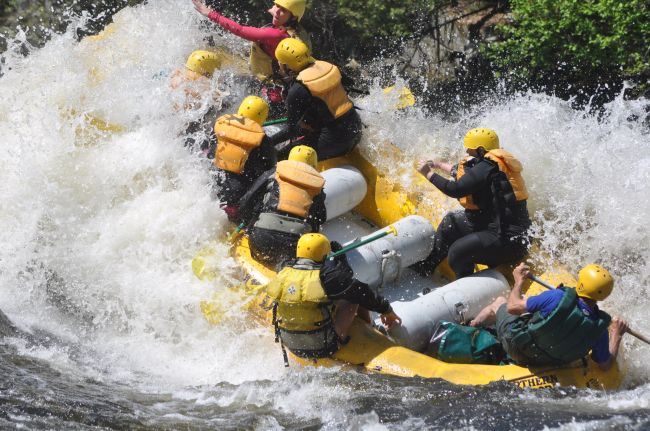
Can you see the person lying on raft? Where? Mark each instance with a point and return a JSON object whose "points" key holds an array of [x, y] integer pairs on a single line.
{"points": [[493, 227], [318, 107], [194, 80], [557, 326], [263, 64], [315, 300], [283, 204], [243, 153]]}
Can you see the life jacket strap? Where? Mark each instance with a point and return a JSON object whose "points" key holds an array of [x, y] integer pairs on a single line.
{"points": [[278, 338]]}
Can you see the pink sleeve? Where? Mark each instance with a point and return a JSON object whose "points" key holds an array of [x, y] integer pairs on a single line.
{"points": [[266, 35]]}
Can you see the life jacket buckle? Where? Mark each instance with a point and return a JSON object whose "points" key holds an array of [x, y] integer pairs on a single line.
{"points": [[461, 309]]}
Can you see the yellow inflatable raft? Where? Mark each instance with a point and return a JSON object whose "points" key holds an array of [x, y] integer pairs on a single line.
{"points": [[386, 202]]}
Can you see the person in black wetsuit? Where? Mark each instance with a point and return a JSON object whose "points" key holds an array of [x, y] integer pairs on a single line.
{"points": [[284, 203], [315, 300], [493, 228], [243, 153], [318, 106]]}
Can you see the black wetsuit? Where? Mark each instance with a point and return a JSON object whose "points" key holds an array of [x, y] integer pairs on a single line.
{"points": [[229, 187], [496, 233], [338, 282], [269, 246], [308, 116]]}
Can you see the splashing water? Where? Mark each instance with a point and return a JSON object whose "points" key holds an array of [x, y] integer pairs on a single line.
{"points": [[99, 228]]}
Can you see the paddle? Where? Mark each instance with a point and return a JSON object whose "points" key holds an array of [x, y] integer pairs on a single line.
{"points": [[551, 287], [234, 235], [278, 121], [201, 266], [391, 230]]}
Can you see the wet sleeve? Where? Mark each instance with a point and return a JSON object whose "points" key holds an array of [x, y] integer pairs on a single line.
{"points": [[260, 160], [268, 154], [600, 351], [348, 82], [254, 34], [339, 283], [545, 302], [474, 180], [298, 102], [253, 196], [317, 212]]}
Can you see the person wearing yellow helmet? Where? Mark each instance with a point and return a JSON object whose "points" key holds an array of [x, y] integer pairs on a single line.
{"points": [[493, 227], [193, 90], [318, 107], [243, 153], [315, 300], [282, 204], [286, 16], [200, 66], [557, 326]]}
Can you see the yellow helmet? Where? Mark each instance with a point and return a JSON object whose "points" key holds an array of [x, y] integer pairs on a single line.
{"points": [[305, 154], [296, 7], [203, 62], [314, 246], [294, 53], [481, 137], [254, 108], [594, 282]]}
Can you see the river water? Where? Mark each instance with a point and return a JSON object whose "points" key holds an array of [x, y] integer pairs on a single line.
{"points": [[101, 326]]}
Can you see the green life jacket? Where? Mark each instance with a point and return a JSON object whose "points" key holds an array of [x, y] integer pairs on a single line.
{"points": [[565, 335]]}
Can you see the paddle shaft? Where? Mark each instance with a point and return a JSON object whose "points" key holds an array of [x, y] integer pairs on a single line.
{"points": [[278, 121], [549, 286], [364, 242], [233, 236]]}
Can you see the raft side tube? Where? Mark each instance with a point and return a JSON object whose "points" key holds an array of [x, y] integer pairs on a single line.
{"points": [[381, 261], [461, 299], [345, 188]]}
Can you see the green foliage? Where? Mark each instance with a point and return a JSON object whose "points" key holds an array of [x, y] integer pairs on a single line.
{"points": [[371, 23], [383, 19], [574, 41]]}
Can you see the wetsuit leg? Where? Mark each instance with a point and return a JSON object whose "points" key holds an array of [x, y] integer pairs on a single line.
{"points": [[453, 226], [271, 247], [228, 188], [485, 247], [340, 137]]}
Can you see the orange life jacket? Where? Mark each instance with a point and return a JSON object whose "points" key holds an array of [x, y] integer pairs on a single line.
{"points": [[324, 82], [298, 183], [507, 164], [236, 136]]}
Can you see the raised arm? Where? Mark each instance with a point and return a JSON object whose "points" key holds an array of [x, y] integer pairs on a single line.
{"points": [[618, 327], [516, 304], [254, 34]]}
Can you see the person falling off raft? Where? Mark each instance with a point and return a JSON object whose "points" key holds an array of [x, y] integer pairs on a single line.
{"points": [[493, 227], [557, 326], [318, 107], [194, 80], [315, 300]]}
